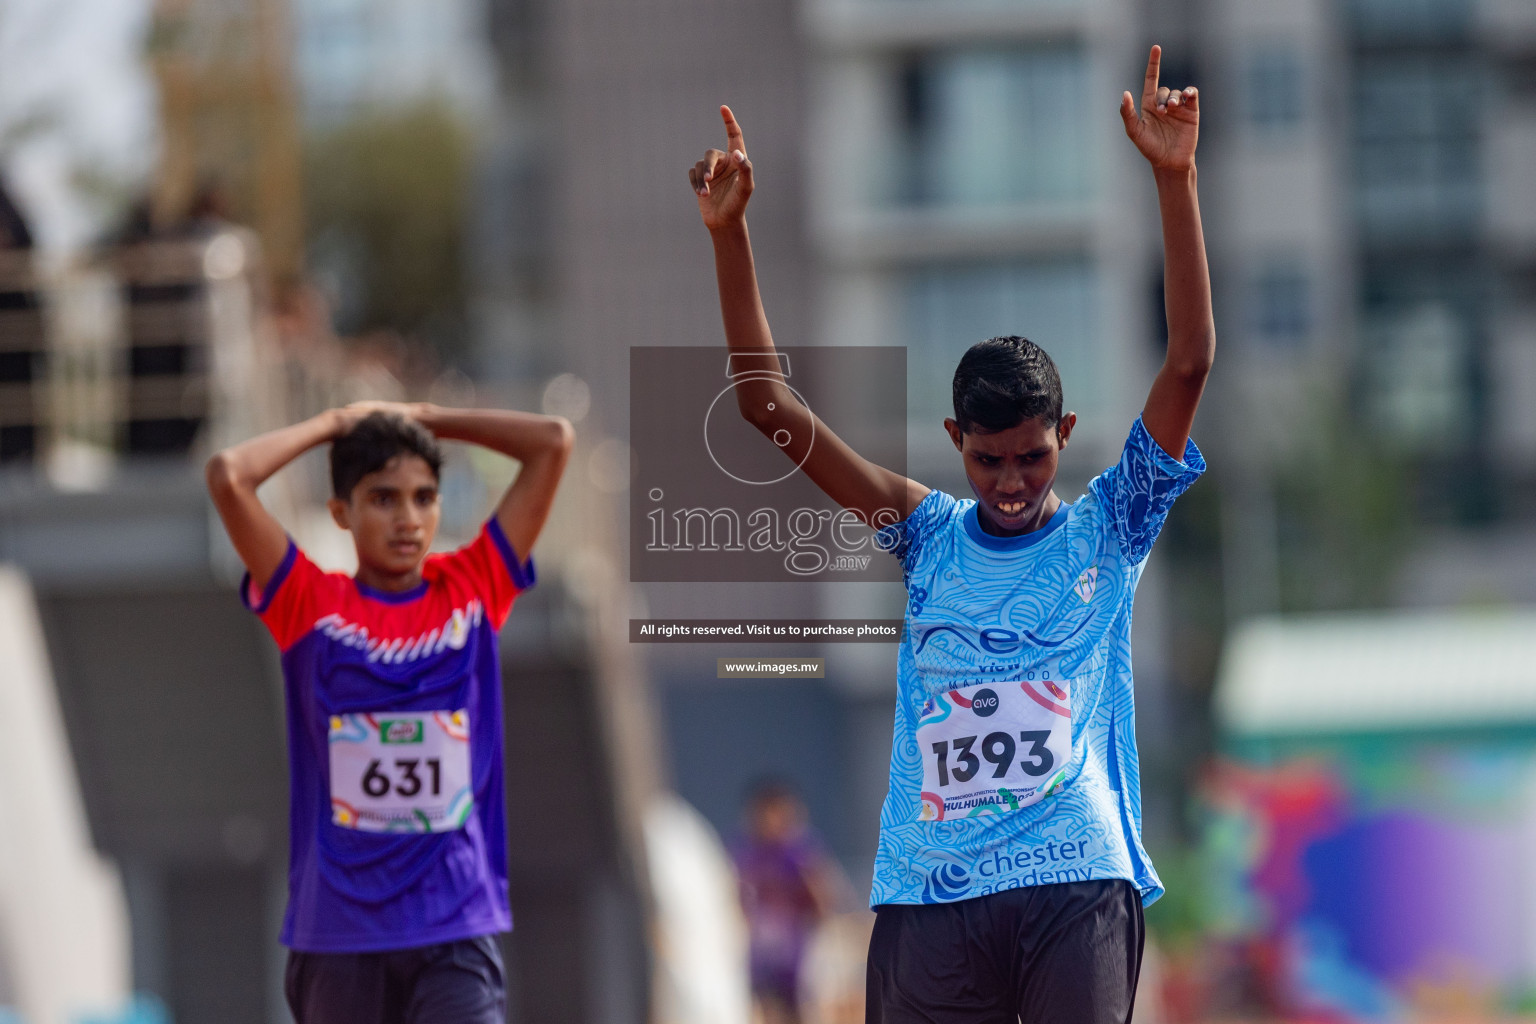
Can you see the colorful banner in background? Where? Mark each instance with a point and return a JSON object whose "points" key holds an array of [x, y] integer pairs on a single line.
{"points": [[1379, 880]]}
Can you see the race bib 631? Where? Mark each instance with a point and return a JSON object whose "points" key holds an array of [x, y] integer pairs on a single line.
{"points": [[401, 771], [993, 747]]}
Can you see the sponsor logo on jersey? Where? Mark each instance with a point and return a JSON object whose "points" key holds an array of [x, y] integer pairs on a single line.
{"points": [[453, 634], [1087, 583], [947, 880], [919, 596], [993, 639]]}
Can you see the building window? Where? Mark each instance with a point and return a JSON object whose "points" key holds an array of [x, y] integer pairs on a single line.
{"points": [[951, 307], [1276, 89], [1417, 135], [1281, 305], [1434, 21], [994, 127], [1419, 326]]}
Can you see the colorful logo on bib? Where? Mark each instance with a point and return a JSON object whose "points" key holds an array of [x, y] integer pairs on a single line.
{"points": [[1047, 697], [400, 730], [1087, 583], [983, 703]]}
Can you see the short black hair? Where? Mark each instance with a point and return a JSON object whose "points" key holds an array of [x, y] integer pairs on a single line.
{"points": [[1001, 382], [370, 445], [770, 789]]}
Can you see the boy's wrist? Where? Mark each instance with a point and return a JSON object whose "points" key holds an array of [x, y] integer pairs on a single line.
{"points": [[335, 422], [1174, 175], [729, 232]]}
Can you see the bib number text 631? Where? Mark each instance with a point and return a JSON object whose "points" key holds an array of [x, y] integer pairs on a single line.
{"points": [[406, 781], [405, 771]]}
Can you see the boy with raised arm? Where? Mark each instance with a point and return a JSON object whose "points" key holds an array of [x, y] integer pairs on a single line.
{"points": [[1010, 876], [397, 874]]}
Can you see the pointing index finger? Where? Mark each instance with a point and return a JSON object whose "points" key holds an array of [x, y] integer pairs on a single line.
{"points": [[733, 137], [1149, 87]]}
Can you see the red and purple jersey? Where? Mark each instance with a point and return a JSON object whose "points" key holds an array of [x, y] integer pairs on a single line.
{"points": [[397, 818]]}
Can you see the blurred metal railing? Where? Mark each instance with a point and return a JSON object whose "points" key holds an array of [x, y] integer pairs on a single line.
{"points": [[23, 358], [150, 350]]}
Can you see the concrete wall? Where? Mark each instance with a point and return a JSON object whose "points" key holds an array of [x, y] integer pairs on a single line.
{"points": [[63, 918]]}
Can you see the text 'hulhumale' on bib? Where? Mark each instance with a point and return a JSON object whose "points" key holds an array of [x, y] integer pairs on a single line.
{"points": [[993, 748], [401, 771]]}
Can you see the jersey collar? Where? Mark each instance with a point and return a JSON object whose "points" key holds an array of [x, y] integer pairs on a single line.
{"points": [[993, 543], [390, 596]]}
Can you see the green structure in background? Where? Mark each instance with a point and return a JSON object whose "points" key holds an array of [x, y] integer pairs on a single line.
{"points": [[1370, 828]]}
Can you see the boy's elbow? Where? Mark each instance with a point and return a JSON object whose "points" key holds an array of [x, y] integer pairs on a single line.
{"points": [[1193, 370], [562, 436], [1193, 362], [220, 474], [755, 412]]}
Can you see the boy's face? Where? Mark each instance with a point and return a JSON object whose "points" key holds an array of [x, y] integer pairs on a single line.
{"points": [[393, 515], [777, 819], [1011, 471]]}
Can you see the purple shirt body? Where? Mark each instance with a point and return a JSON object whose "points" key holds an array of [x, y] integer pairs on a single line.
{"points": [[391, 671]]}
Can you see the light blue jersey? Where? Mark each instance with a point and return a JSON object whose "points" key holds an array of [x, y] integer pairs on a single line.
{"points": [[1014, 761]]}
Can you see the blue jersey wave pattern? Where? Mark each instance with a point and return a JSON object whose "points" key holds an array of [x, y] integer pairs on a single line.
{"points": [[1050, 605]]}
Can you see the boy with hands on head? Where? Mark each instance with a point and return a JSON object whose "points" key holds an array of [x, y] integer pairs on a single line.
{"points": [[1010, 876], [398, 851]]}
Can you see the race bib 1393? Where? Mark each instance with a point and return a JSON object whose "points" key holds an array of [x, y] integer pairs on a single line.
{"points": [[993, 747], [401, 771]]}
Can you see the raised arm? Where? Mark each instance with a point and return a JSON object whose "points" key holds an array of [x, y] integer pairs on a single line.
{"points": [[235, 473], [541, 443], [1166, 132], [723, 183]]}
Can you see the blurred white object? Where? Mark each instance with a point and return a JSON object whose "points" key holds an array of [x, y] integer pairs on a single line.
{"points": [[1150, 1008], [701, 938], [63, 919], [832, 973], [1379, 670]]}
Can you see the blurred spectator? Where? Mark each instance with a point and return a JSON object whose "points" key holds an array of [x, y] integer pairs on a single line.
{"points": [[14, 233], [789, 884], [209, 210]]}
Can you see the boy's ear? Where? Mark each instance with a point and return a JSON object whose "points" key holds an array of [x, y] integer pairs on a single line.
{"points": [[1064, 429], [955, 433], [340, 513]]}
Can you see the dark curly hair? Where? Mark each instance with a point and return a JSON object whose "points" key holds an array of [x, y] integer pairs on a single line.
{"points": [[1001, 382], [370, 445]]}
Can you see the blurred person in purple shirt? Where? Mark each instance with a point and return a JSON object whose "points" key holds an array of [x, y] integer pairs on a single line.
{"points": [[789, 884]]}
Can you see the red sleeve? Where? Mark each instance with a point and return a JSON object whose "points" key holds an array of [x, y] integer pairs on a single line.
{"points": [[288, 606], [493, 570]]}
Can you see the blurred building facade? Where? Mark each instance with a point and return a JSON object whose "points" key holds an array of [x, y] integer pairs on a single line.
{"points": [[1372, 231], [351, 56]]}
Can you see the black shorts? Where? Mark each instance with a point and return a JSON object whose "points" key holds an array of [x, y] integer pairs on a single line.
{"points": [[1067, 953], [451, 983]]}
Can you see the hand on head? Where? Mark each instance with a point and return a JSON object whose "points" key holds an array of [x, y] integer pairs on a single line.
{"points": [[349, 415], [1169, 123], [722, 181]]}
